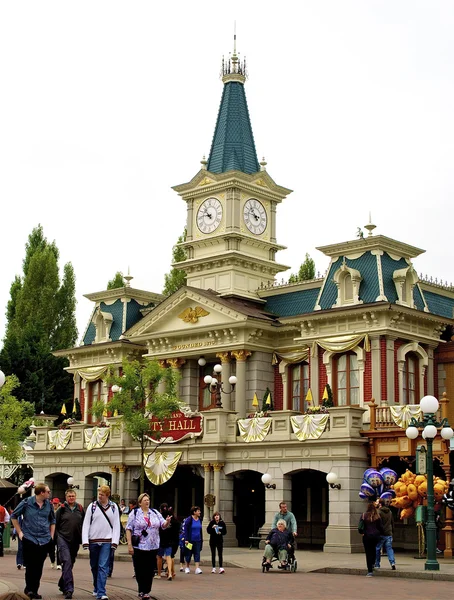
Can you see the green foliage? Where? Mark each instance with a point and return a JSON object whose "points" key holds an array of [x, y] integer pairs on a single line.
{"points": [[139, 400], [117, 282], [306, 271], [15, 418], [41, 319], [328, 402], [265, 406], [174, 280]]}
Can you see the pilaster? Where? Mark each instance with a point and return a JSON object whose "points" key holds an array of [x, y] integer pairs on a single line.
{"points": [[241, 357]]}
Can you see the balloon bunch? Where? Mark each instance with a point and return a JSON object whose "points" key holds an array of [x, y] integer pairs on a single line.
{"points": [[411, 491], [378, 484], [26, 486]]}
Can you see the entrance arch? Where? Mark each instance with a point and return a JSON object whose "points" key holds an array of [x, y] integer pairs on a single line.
{"points": [[248, 504], [58, 485], [310, 505], [183, 490]]}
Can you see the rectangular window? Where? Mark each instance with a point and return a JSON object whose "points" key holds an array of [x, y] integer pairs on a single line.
{"points": [[347, 380], [207, 400], [299, 386]]}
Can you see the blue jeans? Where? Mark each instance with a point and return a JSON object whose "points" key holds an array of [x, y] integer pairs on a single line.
{"points": [[387, 542], [196, 547], [99, 563]]}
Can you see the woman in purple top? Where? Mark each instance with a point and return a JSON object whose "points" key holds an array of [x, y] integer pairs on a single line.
{"points": [[142, 534], [193, 539]]}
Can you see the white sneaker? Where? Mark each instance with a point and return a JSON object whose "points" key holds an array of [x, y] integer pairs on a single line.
{"points": [[58, 567], [198, 571], [187, 570], [213, 570], [221, 570], [181, 569]]}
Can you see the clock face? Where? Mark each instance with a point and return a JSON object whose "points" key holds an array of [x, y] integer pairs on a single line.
{"points": [[254, 215], [209, 215]]}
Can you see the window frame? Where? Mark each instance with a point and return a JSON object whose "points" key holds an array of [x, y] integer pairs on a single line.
{"points": [[348, 371], [302, 380]]}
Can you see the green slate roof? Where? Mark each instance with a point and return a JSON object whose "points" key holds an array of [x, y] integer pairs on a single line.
{"points": [[439, 305], [233, 146], [292, 303]]}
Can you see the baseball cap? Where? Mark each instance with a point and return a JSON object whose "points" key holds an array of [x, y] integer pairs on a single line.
{"points": [[55, 501]]}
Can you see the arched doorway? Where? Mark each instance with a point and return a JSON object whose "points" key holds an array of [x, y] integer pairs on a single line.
{"points": [[92, 483], [310, 505], [248, 505], [183, 490], [58, 484]]}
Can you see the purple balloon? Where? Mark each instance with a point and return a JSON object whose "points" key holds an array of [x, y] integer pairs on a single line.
{"points": [[362, 496], [366, 473], [375, 479], [368, 490], [389, 476], [389, 495]]}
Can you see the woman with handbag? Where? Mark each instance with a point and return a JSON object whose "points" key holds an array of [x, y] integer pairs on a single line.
{"points": [[142, 534], [371, 528]]}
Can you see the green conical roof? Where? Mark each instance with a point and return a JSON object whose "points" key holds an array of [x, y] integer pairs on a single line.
{"points": [[233, 146]]}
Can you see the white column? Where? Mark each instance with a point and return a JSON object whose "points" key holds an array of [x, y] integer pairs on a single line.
{"points": [[206, 491], [240, 391], [217, 468], [121, 480], [113, 486]]}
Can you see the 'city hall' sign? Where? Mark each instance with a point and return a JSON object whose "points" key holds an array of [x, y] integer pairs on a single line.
{"points": [[182, 424]]}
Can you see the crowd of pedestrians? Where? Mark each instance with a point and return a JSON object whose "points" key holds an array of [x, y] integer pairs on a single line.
{"points": [[48, 527]]}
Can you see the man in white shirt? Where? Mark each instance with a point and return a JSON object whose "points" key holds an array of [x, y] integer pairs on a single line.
{"points": [[100, 533]]}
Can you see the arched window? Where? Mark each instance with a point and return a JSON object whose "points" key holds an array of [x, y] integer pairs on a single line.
{"points": [[299, 386], [348, 288], [410, 379], [346, 377]]}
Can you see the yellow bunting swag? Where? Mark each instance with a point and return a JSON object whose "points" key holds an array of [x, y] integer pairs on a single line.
{"points": [[160, 466]]}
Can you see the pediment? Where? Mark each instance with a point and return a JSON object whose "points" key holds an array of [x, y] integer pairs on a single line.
{"points": [[184, 312]]}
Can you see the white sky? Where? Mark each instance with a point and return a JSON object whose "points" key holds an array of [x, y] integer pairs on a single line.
{"points": [[104, 105]]}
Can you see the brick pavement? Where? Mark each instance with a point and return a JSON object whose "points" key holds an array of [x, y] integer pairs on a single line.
{"points": [[235, 584]]}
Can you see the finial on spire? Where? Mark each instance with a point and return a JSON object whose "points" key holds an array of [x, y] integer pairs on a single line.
{"points": [[263, 164], [127, 279], [233, 69], [204, 163], [370, 226]]}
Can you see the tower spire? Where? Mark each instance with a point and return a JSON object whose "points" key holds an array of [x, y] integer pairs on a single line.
{"points": [[233, 147]]}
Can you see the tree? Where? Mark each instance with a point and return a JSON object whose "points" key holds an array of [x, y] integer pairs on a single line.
{"points": [[15, 418], [174, 280], [40, 319], [117, 282], [306, 271], [138, 400]]}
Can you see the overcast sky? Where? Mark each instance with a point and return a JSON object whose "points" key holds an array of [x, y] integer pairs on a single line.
{"points": [[105, 105]]}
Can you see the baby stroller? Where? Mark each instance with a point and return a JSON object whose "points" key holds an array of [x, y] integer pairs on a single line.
{"points": [[291, 564]]}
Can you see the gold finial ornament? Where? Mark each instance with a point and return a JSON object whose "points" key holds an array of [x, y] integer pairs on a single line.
{"points": [[192, 315], [234, 69]]}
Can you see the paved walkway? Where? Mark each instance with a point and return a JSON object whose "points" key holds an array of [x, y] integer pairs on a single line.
{"points": [[247, 583]]}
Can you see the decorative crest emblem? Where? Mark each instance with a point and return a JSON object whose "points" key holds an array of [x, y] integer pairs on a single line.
{"points": [[191, 315]]}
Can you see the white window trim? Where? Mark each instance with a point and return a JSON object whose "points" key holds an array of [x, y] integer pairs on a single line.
{"points": [[407, 278], [339, 280], [422, 366], [361, 358]]}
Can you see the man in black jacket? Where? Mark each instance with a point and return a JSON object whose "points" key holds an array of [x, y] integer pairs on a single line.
{"points": [[69, 520]]}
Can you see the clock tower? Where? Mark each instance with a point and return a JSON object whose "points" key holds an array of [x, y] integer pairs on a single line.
{"points": [[231, 203]]}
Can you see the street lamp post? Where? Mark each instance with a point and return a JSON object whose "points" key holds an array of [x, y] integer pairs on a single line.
{"points": [[429, 424], [215, 385]]}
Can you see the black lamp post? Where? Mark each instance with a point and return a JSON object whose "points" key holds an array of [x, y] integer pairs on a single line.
{"points": [[214, 383], [429, 424]]}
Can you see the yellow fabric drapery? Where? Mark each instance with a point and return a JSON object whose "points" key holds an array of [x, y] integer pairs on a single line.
{"points": [[402, 415], [342, 343], [255, 429], [309, 427], [96, 437], [290, 358], [92, 373], [59, 438], [160, 466]]}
